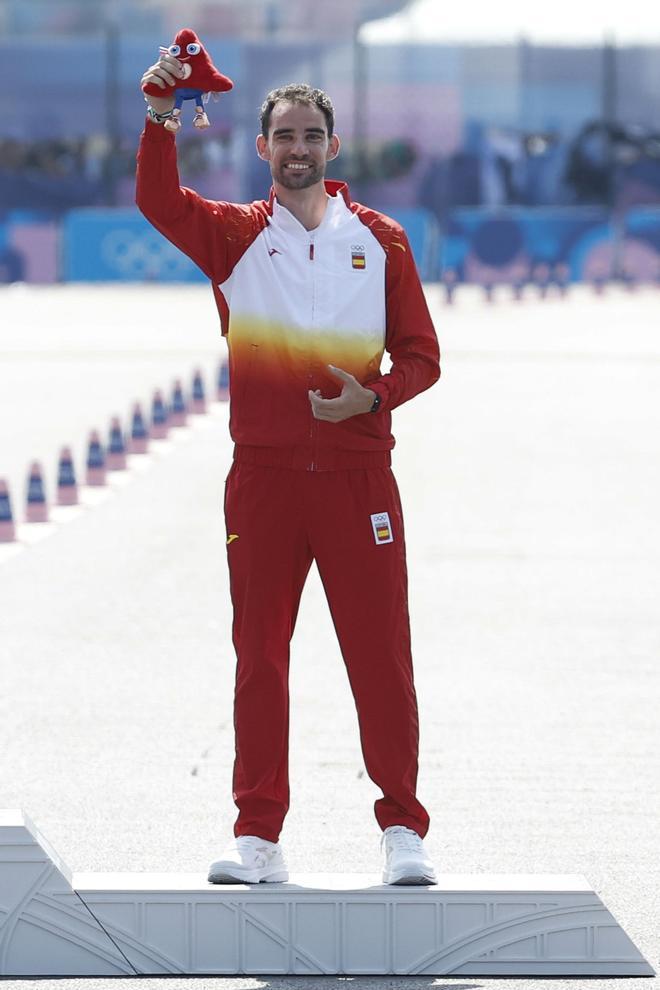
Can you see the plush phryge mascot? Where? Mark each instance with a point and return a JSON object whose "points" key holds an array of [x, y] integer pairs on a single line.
{"points": [[201, 78]]}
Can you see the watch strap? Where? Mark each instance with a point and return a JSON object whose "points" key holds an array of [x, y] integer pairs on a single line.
{"points": [[158, 118]]}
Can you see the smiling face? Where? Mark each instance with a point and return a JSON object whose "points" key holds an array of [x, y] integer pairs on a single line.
{"points": [[298, 147], [187, 46]]}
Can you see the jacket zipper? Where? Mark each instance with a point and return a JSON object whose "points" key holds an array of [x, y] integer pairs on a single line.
{"points": [[313, 422]]}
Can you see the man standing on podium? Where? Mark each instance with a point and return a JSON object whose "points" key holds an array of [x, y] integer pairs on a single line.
{"points": [[311, 289]]}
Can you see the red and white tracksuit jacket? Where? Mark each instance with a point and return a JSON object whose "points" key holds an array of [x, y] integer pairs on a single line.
{"points": [[292, 301]]}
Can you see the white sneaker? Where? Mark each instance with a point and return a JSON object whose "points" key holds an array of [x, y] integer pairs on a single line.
{"points": [[406, 860], [249, 859]]}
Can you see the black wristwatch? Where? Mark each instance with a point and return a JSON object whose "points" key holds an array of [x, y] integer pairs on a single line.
{"points": [[376, 404]]}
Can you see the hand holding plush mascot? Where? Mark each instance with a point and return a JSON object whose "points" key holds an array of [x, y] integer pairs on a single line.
{"points": [[200, 79]]}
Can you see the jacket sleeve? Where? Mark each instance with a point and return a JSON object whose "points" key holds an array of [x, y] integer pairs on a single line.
{"points": [[410, 337], [212, 234]]}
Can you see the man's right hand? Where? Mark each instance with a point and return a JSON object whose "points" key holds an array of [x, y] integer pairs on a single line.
{"points": [[164, 73]]}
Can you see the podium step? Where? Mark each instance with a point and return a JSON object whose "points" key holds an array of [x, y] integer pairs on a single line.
{"points": [[56, 923]]}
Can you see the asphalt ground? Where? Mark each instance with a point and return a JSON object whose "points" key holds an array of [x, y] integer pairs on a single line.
{"points": [[530, 481]]}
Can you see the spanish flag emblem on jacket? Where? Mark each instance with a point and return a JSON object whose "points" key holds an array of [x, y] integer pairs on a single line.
{"points": [[358, 259]]}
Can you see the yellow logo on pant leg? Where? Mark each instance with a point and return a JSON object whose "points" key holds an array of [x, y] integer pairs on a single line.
{"points": [[231, 537]]}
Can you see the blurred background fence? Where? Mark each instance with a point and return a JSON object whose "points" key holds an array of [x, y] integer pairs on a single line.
{"points": [[496, 157]]}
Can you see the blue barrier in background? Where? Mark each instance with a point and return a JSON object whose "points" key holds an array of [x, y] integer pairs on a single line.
{"points": [[504, 245], [480, 245]]}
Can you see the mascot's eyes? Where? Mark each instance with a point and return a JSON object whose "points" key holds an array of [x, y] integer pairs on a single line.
{"points": [[174, 50], [193, 48]]}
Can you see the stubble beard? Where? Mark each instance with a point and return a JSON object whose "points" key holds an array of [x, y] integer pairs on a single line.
{"points": [[302, 179]]}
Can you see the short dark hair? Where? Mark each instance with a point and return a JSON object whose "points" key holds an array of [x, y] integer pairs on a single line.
{"points": [[297, 93]]}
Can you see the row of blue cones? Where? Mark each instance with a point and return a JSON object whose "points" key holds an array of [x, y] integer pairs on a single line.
{"points": [[100, 460], [545, 280]]}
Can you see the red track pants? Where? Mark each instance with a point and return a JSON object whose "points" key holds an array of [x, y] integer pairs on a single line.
{"points": [[278, 520]]}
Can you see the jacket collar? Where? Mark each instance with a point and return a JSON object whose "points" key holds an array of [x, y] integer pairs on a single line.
{"points": [[332, 187], [337, 211]]}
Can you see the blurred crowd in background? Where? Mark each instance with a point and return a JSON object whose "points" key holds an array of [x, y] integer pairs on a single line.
{"points": [[58, 174], [618, 166], [432, 125]]}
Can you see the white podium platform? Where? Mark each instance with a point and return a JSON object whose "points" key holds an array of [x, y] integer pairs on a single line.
{"points": [[56, 923]]}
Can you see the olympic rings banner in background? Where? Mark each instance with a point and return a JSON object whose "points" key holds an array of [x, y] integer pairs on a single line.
{"points": [[120, 246]]}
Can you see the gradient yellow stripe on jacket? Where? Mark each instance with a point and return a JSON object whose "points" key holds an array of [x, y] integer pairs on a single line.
{"points": [[274, 351]]}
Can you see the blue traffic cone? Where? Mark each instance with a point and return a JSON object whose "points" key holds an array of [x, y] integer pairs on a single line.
{"points": [[95, 460], [541, 278], [562, 276], [178, 408], [116, 454], [599, 279], [198, 401], [7, 528], [449, 280], [628, 278], [37, 508], [222, 390], [67, 489], [139, 439], [159, 418]]}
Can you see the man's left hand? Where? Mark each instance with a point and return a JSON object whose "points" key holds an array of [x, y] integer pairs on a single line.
{"points": [[354, 399]]}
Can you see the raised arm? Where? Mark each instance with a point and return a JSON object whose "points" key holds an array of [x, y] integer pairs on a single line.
{"points": [[213, 234]]}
